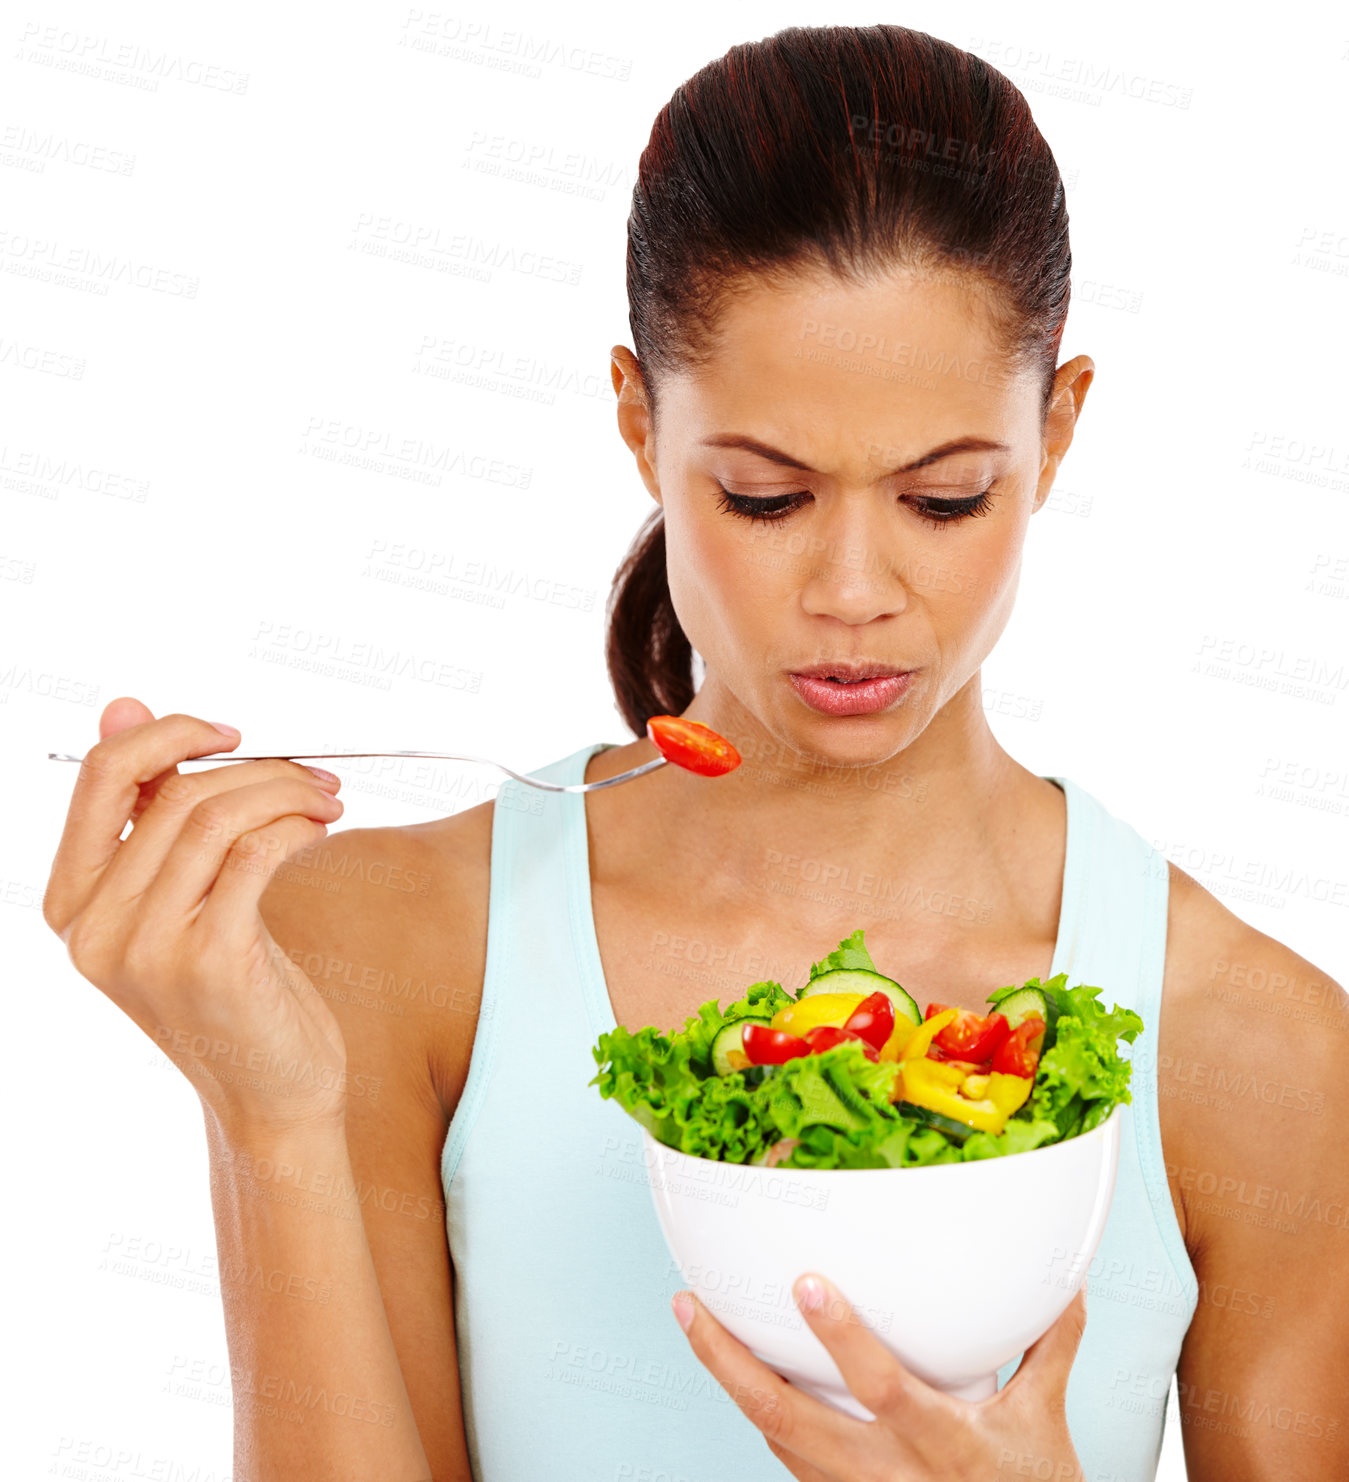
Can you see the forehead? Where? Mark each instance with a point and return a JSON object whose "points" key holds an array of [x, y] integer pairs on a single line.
{"points": [[844, 375]]}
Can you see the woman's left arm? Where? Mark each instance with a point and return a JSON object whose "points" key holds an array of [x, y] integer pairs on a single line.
{"points": [[1260, 1164]]}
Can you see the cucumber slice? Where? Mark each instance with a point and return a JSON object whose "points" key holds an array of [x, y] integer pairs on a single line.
{"points": [[957, 1131], [858, 980], [1022, 1004], [728, 1039]]}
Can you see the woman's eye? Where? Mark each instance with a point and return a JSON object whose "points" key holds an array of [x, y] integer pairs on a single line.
{"points": [[772, 508], [935, 512], [947, 511]]}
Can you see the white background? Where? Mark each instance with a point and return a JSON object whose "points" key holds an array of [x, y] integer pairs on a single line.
{"points": [[175, 528]]}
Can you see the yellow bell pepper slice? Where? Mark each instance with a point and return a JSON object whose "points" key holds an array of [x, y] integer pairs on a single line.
{"points": [[926, 1072], [1008, 1092], [900, 1035], [820, 1008], [926, 1032], [936, 1085]]}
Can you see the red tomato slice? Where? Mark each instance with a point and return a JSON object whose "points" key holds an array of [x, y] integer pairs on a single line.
{"points": [[765, 1046], [1019, 1053], [873, 1020], [692, 745], [825, 1036], [969, 1036]]}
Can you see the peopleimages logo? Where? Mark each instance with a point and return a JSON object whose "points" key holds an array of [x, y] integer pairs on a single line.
{"points": [[35, 255], [122, 61], [362, 660], [1076, 78], [36, 472], [437, 33], [34, 148], [1262, 666]]}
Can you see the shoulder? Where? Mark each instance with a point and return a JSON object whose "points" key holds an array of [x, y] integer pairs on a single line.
{"points": [[390, 924], [1252, 1099], [1251, 1052]]}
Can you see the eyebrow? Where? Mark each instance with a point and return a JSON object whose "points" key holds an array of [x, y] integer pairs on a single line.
{"points": [[776, 455]]}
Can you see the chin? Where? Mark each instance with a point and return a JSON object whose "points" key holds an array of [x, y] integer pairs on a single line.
{"points": [[848, 741]]}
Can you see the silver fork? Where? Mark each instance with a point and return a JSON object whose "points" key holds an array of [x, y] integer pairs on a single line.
{"points": [[660, 761]]}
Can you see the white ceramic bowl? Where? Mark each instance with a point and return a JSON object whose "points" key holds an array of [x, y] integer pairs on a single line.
{"points": [[957, 1268]]}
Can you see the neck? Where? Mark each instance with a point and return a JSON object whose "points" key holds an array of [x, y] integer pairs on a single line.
{"points": [[948, 852], [935, 802]]}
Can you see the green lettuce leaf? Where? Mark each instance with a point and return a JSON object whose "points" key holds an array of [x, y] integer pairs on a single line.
{"points": [[1016, 1137], [764, 998], [851, 953], [1082, 1077]]}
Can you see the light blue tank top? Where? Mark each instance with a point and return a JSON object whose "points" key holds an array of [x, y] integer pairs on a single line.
{"points": [[571, 1363]]}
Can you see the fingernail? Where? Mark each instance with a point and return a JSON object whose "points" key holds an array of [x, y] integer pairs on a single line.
{"points": [[326, 776], [226, 730], [810, 1293], [683, 1309]]}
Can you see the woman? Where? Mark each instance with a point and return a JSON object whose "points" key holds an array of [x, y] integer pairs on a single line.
{"points": [[848, 275]]}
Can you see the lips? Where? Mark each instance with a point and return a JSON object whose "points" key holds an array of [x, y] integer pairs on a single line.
{"points": [[851, 689], [849, 672]]}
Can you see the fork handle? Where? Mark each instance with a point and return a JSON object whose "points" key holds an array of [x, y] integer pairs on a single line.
{"points": [[446, 756]]}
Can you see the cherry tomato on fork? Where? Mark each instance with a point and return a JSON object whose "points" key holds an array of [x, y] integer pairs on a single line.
{"points": [[691, 745]]}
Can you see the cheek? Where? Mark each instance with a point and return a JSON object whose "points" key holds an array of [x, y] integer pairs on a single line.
{"points": [[987, 572], [727, 580], [957, 573], [700, 562]]}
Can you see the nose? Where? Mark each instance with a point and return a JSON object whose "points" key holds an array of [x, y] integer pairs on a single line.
{"points": [[852, 562]]}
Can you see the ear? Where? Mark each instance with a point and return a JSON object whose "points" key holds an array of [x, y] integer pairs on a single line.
{"points": [[1067, 395], [634, 416]]}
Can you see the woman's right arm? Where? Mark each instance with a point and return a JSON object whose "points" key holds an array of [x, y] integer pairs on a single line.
{"points": [[318, 1391], [391, 925], [166, 923]]}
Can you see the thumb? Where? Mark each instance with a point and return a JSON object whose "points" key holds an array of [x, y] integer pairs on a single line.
{"points": [[1047, 1361], [120, 714]]}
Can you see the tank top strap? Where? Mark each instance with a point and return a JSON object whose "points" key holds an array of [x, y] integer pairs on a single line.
{"points": [[538, 845], [1116, 928]]}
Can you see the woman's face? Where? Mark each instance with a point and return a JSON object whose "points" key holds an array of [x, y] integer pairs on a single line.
{"points": [[900, 461]]}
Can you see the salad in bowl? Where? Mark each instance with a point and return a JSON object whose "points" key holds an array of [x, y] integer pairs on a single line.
{"points": [[848, 1073], [841, 1129]]}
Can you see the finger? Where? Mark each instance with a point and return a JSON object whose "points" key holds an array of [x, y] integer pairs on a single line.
{"points": [[798, 1466], [787, 1416], [248, 868], [144, 853], [104, 795], [215, 827], [120, 715], [889, 1390], [1045, 1365]]}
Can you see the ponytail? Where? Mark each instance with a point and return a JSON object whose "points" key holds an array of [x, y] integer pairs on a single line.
{"points": [[649, 657]]}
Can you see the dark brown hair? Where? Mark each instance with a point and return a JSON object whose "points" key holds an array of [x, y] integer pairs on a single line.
{"points": [[859, 148]]}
